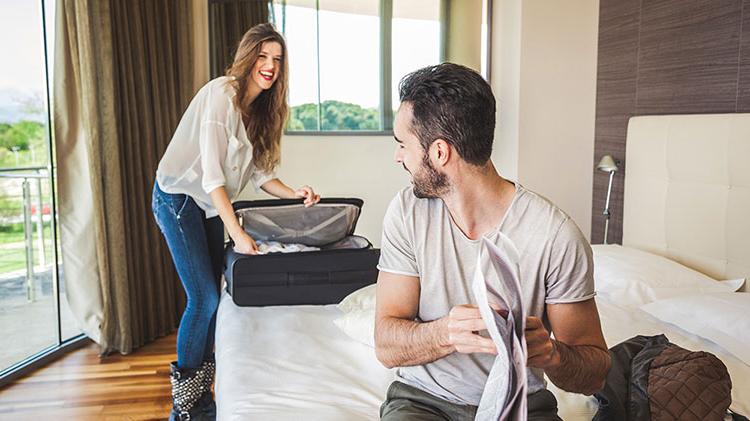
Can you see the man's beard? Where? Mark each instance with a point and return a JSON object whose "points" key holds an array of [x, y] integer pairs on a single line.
{"points": [[429, 183]]}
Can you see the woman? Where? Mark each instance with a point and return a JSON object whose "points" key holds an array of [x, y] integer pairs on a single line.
{"points": [[229, 135]]}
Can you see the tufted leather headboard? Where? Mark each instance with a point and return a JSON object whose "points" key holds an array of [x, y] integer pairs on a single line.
{"points": [[687, 190]]}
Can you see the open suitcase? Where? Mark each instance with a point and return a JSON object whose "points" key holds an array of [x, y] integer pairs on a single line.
{"points": [[344, 263]]}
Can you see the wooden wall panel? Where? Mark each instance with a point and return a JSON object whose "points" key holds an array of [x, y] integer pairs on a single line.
{"points": [[688, 56], [664, 57], [616, 83], [743, 99]]}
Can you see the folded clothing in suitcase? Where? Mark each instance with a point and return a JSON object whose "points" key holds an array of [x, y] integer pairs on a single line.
{"points": [[344, 263]]}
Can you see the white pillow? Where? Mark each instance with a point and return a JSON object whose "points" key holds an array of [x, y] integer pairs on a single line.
{"points": [[719, 317], [633, 277], [358, 325], [358, 320], [359, 299]]}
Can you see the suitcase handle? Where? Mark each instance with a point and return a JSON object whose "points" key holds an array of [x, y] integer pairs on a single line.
{"points": [[307, 277]]}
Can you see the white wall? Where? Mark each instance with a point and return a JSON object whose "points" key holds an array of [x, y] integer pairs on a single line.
{"points": [[544, 69], [505, 74], [344, 166]]}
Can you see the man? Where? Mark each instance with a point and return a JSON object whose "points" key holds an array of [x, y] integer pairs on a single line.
{"points": [[425, 322]]}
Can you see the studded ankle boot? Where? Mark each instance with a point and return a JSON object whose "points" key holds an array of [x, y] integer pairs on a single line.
{"points": [[206, 401], [190, 402]]}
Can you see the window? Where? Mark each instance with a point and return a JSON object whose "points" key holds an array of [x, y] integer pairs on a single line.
{"points": [[347, 57], [35, 316], [416, 34]]}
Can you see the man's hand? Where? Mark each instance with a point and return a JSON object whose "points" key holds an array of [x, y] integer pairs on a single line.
{"points": [[460, 330], [542, 350], [308, 194], [402, 341]]}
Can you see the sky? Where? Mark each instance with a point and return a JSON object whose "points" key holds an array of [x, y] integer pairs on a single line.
{"points": [[22, 73]]}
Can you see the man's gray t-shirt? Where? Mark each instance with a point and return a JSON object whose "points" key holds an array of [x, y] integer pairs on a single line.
{"points": [[420, 239]]}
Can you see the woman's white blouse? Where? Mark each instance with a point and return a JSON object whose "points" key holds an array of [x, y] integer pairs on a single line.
{"points": [[210, 149]]}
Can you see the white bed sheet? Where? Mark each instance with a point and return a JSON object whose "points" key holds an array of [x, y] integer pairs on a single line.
{"points": [[291, 362]]}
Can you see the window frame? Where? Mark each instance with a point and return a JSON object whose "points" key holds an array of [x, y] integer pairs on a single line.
{"points": [[386, 70]]}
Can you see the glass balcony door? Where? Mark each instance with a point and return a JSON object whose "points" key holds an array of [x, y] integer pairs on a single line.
{"points": [[34, 314]]}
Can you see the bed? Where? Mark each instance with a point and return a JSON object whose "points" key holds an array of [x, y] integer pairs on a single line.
{"points": [[687, 195]]}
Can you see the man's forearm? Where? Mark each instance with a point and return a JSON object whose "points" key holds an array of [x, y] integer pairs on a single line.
{"points": [[582, 368], [401, 343]]}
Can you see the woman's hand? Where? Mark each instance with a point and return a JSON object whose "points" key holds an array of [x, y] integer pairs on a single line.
{"points": [[276, 188], [244, 243], [308, 194]]}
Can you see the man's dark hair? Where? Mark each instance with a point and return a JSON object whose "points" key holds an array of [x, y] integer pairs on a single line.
{"points": [[454, 103]]}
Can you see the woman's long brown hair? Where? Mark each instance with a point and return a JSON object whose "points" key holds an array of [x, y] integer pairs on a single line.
{"points": [[266, 115]]}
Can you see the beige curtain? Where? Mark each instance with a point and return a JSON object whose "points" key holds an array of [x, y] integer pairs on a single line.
{"points": [[124, 73], [229, 20]]}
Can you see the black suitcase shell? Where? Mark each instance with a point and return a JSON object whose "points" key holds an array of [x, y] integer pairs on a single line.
{"points": [[310, 277]]}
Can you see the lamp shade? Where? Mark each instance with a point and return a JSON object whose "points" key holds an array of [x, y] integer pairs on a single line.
{"points": [[607, 164]]}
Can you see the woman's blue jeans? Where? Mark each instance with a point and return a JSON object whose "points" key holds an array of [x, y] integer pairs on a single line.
{"points": [[196, 244]]}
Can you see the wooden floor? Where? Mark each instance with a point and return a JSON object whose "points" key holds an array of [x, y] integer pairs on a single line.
{"points": [[81, 386]]}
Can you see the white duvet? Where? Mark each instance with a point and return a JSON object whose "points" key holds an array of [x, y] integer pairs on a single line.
{"points": [[292, 363]]}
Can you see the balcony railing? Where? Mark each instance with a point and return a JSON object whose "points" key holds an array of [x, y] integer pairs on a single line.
{"points": [[30, 176]]}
